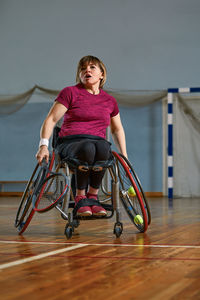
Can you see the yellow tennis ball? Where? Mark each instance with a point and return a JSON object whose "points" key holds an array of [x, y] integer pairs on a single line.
{"points": [[131, 191], [138, 220]]}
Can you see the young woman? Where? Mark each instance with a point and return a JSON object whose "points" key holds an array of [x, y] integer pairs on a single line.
{"points": [[88, 110]]}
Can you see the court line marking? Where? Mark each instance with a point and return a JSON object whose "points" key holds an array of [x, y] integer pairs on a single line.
{"points": [[134, 258], [40, 256], [99, 244]]}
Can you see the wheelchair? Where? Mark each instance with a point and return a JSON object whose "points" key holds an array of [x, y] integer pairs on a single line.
{"points": [[120, 185]]}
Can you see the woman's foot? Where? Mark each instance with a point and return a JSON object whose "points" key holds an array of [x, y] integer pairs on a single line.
{"points": [[84, 211], [96, 210]]}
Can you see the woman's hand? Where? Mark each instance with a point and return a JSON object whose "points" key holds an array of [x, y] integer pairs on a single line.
{"points": [[43, 153]]}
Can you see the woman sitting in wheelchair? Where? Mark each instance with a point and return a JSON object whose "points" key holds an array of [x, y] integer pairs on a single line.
{"points": [[88, 110]]}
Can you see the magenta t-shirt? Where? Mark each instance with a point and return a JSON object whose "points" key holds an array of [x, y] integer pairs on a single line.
{"points": [[87, 113]]}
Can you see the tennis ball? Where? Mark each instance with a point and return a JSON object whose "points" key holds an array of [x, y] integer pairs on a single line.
{"points": [[131, 191], [138, 220]]}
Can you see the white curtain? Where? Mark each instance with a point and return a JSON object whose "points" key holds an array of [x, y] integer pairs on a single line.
{"points": [[186, 145], [11, 103]]}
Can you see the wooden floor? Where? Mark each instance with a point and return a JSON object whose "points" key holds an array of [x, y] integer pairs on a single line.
{"points": [[163, 263]]}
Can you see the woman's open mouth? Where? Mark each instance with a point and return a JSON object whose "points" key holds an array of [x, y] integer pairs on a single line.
{"points": [[87, 76]]}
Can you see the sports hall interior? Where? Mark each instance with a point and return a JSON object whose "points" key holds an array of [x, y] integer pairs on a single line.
{"points": [[151, 51]]}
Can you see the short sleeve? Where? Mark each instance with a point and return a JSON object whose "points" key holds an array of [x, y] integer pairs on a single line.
{"points": [[65, 97], [115, 109]]}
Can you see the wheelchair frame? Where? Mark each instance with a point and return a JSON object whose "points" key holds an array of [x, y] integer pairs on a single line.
{"points": [[122, 177]]}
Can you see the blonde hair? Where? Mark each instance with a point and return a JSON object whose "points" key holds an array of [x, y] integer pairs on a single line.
{"points": [[95, 60]]}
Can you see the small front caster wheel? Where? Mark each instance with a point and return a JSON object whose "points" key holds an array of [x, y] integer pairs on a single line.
{"points": [[118, 229], [117, 232], [68, 232]]}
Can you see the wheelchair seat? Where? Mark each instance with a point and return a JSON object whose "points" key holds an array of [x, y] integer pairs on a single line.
{"points": [[75, 163]]}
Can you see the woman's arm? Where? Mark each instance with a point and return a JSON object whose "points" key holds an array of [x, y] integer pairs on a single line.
{"points": [[118, 134], [55, 114]]}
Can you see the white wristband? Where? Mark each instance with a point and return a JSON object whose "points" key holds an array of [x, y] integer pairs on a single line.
{"points": [[44, 142]]}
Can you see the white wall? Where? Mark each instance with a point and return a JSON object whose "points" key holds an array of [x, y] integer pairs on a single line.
{"points": [[146, 44]]}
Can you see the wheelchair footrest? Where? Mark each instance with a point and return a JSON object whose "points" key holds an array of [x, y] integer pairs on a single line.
{"points": [[85, 202], [91, 202]]}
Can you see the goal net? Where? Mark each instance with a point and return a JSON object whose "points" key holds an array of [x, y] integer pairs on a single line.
{"points": [[186, 143]]}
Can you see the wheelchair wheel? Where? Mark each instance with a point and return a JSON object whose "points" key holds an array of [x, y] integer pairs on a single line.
{"points": [[139, 186], [133, 203], [25, 211]]}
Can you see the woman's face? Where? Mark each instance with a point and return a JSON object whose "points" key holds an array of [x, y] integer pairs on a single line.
{"points": [[91, 75]]}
